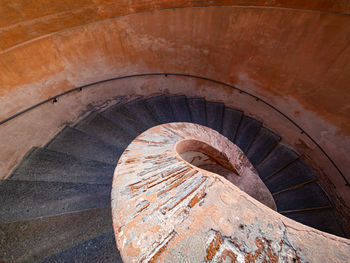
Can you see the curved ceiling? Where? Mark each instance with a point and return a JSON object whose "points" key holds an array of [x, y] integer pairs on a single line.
{"points": [[25, 20]]}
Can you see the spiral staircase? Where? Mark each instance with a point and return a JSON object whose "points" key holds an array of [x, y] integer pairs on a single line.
{"points": [[55, 206]]}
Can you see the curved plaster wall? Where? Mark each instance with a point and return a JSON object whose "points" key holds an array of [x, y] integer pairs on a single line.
{"points": [[24, 20], [296, 59]]}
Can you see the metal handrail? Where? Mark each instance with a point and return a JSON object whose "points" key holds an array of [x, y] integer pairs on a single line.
{"points": [[54, 99]]}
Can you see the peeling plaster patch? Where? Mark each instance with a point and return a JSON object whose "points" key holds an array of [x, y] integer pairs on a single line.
{"points": [[219, 247], [156, 254]]}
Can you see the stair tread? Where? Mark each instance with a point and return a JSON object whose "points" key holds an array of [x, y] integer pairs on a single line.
{"points": [[138, 110], [296, 173], [322, 219], [197, 110], [263, 143], [101, 249], [246, 133], [34, 239], [119, 115], [98, 126], [28, 199], [43, 164], [160, 108], [80, 144], [230, 123], [214, 112], [309, 195], [179, 106], [277, 159]]}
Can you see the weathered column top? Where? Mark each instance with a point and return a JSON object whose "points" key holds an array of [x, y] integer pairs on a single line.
{"points": [[166, 209]]}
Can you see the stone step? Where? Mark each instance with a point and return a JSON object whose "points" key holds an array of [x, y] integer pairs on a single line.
{"points": [[308, 195], [230, 123], [100, 127], [215, 112], [179, 106], [42, 164], [296, 173], [119, 115], [101, 249], [246, 133], [277, 159], [197, 110], [138, 110], [80, 144], [29, 199], [263, 143], [323, 219], [35, 239], [160, 108]]}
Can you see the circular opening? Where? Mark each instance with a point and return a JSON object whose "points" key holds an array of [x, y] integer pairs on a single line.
{"points": [[241, 174], [200, 153]]}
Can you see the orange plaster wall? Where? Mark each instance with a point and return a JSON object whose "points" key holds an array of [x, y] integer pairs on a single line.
{"points": [[24, 20], [297, 60]]}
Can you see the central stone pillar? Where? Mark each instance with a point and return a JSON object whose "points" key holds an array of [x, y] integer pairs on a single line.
{"points": [[165, 208]]}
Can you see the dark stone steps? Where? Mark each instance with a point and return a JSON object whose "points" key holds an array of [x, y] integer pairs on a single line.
{"points": [[215, 112], [197, 110], [160, 108], [296, 173], [35, 239], [120, 116], [80, 144], [180, 108], [42, 164], [100, 127], [45, 200], [230, 123], [246, 133], [101, 249], [306, 196], [263, 144], [29, 199], [277, 159], [323, 219], [138, 110]]}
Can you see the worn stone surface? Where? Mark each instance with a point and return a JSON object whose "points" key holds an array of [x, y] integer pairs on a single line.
{"points": [[36, 238], [174, 212]]}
